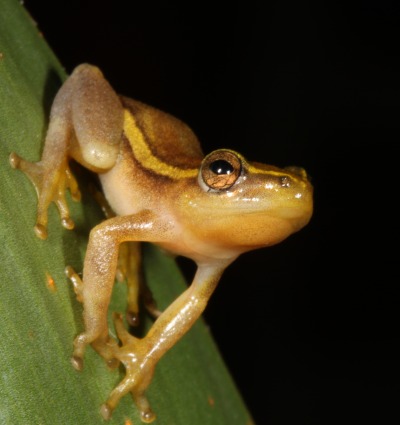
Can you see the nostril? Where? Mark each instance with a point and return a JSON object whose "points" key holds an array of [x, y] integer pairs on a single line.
{"points": [[285, 181]]}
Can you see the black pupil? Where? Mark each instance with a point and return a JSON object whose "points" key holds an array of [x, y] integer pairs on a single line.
{"points": [[221, 167]]}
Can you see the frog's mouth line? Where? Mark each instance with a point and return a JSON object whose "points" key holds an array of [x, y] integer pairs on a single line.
{"points": [[284, 213], [295, 212]]}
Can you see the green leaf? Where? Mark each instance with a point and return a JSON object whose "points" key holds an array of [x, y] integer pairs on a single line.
{"points": [[39, 313]]}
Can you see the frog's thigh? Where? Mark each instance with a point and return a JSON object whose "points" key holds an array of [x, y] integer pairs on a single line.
{"points": [[97, 118]]}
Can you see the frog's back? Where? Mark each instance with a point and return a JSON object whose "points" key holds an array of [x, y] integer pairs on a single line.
{"points": [[169, 139]]}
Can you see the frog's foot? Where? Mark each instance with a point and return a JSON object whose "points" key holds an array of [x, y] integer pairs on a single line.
{"points": [[105, 345], [51, 184], [146, 296], [149, 301], [102, 201], [146, 414], [76, 282], [129, 270], [81, 341], [139, 372]]}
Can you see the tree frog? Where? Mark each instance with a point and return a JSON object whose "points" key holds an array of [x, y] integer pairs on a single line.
{"points": [[163, 190]]}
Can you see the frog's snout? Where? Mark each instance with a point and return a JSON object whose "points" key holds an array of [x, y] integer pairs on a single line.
{"points": [[298, 171]]}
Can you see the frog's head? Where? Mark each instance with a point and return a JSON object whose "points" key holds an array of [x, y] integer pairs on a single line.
{"points": [[249, 205]]}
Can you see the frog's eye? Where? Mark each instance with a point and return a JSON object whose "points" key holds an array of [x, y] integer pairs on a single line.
{"points": [[220, 169]]}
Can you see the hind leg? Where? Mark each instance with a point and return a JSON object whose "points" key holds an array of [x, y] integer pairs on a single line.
{"points": [[86, 124], [51, 178]]}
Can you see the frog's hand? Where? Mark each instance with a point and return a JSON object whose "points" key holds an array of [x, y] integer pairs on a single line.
{"points": [[140, 356], [51, 182]]}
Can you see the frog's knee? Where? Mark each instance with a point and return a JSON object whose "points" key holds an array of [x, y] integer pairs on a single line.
{"points": [[99, 155]]}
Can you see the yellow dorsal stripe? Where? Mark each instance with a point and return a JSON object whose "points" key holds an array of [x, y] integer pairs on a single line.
{"points": [[143, 154], [145, 157]]}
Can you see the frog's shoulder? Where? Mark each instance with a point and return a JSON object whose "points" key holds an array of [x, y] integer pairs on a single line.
{"points": [[170, 139]]}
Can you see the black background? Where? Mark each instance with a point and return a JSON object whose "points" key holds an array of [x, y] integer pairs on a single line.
{"points": [[309, 328]]}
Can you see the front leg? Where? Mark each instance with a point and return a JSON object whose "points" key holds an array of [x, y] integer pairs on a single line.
{"points": [[140, 356], [100, 266], [130, 270]]}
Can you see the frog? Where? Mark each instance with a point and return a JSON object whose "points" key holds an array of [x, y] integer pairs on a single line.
{"points": [[161, 189]]}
